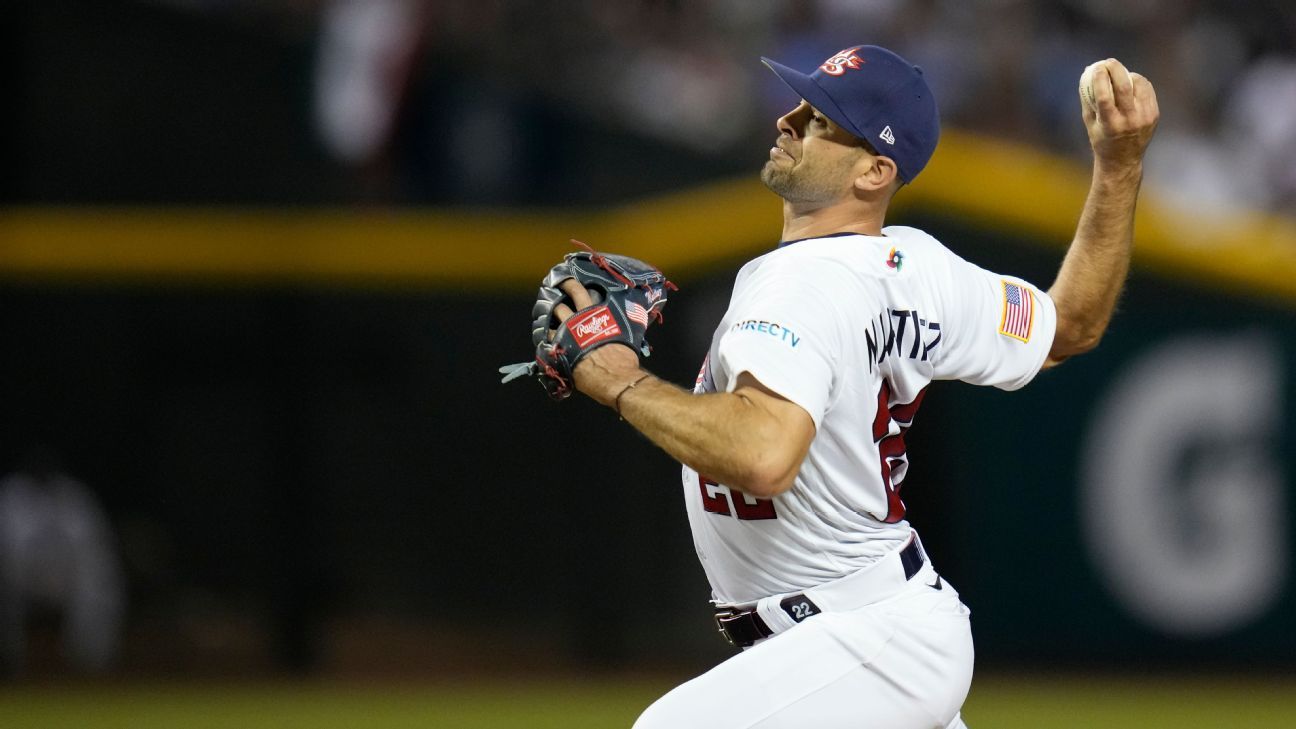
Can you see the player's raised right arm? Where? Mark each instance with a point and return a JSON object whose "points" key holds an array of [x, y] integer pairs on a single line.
{"points": [[1120, 123]]}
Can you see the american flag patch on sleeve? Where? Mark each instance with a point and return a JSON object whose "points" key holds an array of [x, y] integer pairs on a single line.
{"points": [[637, 314], [1018, 311]]}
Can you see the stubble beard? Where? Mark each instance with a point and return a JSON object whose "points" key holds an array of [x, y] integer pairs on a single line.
{"points": [[795, 186]]}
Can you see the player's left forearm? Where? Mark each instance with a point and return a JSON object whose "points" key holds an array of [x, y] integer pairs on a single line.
{"points": [[748, 439]]}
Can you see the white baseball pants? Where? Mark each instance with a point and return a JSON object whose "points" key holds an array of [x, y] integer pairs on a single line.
{"points": [[904, 662]]}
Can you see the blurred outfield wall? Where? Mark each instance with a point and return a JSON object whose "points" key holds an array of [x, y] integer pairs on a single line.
{"points": [[294, 416]]}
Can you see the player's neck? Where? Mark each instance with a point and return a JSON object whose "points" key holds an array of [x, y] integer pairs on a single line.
{"points": [[801, 223]]}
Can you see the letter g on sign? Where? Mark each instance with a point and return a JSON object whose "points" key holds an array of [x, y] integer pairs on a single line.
{"points": [[1182, 490]]}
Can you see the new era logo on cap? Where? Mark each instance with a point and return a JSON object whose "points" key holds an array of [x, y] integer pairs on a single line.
{"points": [[867, 88]]}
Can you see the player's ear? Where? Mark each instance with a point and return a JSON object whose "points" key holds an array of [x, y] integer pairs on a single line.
{"points": [[875, 173]]}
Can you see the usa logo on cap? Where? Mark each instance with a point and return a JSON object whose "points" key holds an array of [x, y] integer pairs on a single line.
{"points": [[842, 60]]}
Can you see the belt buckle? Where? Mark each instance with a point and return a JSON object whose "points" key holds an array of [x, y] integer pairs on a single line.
{"points": [[720, 617]]}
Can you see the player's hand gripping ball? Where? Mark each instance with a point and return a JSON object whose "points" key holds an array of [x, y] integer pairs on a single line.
{"points": [[589, 300], [1120, 111]]}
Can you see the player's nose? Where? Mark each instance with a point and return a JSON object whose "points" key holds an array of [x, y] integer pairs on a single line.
{"points": [[786, 124]]}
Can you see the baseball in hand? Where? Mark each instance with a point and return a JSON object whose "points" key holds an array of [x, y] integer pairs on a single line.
{"points": [[1116, 74], [1087, 89]]}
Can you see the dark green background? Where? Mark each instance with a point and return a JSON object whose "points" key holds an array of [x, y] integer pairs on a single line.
{"points": [[307, 455]]}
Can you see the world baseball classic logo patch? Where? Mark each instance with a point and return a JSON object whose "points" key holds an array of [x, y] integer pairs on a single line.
{"points": [[895, 259], [592, 326], [1018, 311]]}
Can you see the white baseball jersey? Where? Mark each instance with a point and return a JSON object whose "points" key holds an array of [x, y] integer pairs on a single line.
{"points": [[852, 328]]}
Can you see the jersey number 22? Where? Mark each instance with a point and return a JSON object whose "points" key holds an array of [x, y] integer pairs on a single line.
{"points": [[716, 499]]}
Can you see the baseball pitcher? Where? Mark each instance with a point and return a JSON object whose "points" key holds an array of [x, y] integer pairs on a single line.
{"points": [[792, 440]]}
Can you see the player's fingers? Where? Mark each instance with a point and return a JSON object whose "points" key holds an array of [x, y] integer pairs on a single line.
{"points": [[1138, 85], [1145, 95], [1143, 90], [579, 296], [1122, 85], [1104, 99], [563, 312]]}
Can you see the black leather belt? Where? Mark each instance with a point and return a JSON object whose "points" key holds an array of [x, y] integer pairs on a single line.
{"points": [[742, 628]]}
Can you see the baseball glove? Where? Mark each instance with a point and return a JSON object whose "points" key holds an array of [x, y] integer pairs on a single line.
{"points": [[628, 295]]}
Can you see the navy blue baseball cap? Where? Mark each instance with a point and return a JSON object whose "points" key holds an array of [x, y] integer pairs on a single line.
{"points": [[877, 96]]}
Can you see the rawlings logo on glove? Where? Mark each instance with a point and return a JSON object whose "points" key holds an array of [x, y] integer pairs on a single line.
{"points": [[628, 296], [593, 325]]}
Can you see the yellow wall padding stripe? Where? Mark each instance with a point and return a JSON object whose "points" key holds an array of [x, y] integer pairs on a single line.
{"points": [[992, 184], [1000, 186]]}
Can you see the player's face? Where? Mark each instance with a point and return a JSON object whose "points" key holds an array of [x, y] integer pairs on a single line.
{"points": [[813, 160]]}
